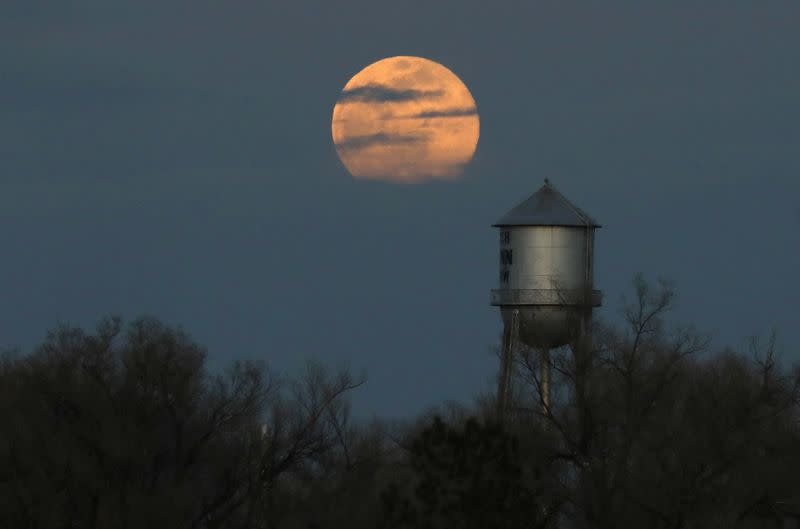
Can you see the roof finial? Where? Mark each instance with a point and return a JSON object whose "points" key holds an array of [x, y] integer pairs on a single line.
{"points": [[547, 181]]}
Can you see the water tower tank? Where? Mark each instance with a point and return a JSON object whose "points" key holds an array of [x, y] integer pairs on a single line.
{"points": [[546, 269]]}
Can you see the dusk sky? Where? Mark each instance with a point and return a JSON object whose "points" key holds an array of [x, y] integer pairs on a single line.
{"points": [[175, 159]]}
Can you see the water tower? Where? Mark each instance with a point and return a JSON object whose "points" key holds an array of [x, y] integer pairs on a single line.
{"points": [[546, 293]]}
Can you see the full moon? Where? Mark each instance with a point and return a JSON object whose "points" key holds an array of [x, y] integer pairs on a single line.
{"points": [[405, 119]]}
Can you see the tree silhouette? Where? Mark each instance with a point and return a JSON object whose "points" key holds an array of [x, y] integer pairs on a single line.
{"points": [[124, 427], [657, 432], [127, 429], [468, 477]]}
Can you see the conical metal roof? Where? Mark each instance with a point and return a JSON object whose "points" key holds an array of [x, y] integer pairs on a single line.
{"points": [[546, 207]]}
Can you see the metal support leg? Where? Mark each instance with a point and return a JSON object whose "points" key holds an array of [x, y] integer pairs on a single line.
{"points": [[510, 331], [544, 370]]}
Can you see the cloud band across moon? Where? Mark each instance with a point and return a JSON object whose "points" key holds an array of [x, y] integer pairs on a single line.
{"points": [[381, 138], [448, 113], [405, 119], [378, 93]]}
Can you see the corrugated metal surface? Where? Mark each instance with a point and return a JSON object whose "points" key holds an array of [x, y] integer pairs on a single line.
{"points": [[557, 258]]}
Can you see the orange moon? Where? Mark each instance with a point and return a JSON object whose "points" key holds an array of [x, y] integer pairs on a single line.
{"points": [[405, 119]]}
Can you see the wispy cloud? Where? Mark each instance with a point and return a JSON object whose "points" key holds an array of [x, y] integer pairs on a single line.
{"points": [[363, 142], [383, 94], [447, 113]]}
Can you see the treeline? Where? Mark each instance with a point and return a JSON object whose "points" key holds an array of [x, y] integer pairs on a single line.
{"points": [[125, 427]]}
